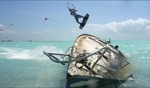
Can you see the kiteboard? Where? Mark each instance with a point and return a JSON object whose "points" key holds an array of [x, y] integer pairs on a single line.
{"points": [[84, 21]]}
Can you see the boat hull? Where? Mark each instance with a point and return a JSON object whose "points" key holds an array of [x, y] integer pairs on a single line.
{"points": [[91, 82], [93, 63], [103, 68]]}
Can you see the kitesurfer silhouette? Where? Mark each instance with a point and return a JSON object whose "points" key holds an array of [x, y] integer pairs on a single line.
{"points": [[73, 13]]}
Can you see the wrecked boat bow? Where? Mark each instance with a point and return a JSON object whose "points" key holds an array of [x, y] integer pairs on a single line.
{"points": [[93, 62]]}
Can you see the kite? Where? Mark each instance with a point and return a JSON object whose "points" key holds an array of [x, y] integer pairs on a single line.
{"points": [[46, 18]]}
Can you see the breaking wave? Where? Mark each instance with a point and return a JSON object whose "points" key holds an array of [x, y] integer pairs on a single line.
{"points": [[28, 54]]}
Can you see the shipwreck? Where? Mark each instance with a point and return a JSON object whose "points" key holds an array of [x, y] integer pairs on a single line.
{"points": [[93, 63]]}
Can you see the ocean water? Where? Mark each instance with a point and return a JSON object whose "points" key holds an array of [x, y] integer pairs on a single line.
{"points": [[23, 64]]}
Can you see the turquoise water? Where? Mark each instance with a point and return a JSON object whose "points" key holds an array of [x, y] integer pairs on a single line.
{"points": [[23, 64]]}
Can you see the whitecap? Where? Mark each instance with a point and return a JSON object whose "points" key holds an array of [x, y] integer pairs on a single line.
{"points": [[28, 54]]}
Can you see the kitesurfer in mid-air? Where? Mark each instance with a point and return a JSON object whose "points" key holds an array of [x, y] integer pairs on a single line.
{"points": [[73, 13]]}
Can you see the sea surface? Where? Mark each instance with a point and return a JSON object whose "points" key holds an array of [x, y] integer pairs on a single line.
{"points": [[23, 64]]}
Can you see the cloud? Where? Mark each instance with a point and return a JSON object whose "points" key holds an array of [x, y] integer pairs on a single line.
{"points": [[148, 29], [53, 24], [6, 30], [46, 30], [75, 31], [9, 32], [139, 26], [36, 32], [2, 25]]}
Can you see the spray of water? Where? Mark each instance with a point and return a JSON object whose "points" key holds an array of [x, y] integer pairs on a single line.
{"points": [[28, 54]]}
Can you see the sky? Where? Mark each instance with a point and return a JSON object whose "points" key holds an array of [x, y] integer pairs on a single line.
{"points": [[116, 19]]}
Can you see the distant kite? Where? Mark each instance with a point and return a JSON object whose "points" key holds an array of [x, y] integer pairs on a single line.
{"points": [[46, 18], [11, 24]]}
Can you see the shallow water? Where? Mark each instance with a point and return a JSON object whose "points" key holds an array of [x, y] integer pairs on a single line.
{"points": [[23, 64]]}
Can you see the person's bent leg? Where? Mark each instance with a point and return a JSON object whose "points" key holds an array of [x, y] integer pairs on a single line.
{"points": [[77, 19]]}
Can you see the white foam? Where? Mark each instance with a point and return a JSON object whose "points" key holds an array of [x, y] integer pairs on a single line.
{"points": [[28, 54]]}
